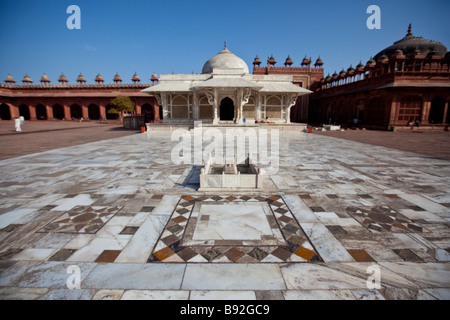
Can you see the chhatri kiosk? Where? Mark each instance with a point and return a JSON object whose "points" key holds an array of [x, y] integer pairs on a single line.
{"points": [[225, 93]]}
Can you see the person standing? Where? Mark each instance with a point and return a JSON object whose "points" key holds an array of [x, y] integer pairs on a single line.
{"points": [[18, 123]]}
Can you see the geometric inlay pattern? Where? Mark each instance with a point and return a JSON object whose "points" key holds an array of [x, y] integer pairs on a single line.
{"points": [[207, 228], [81, 219], [384, 219]]}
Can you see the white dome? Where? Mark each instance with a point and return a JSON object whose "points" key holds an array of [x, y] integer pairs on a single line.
{"points": [[225, 60]]}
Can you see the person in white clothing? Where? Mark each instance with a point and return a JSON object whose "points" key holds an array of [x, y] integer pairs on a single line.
{"points": [[17, 124]]}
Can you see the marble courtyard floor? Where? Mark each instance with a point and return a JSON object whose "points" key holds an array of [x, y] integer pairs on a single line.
{"points": [[135, 227]]}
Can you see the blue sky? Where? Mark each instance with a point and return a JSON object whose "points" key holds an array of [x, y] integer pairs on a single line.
{"points": [[179, 36]]}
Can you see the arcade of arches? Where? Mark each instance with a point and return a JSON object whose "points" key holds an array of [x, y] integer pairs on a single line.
{"points": [[84, 108], [384, 109]]}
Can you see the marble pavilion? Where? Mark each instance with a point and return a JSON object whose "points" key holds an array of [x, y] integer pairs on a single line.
{"points": [[226, 93]]}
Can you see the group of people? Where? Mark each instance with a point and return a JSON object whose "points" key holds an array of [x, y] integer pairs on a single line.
{"points": [[18, 123], [413, 123], [266, 120]]}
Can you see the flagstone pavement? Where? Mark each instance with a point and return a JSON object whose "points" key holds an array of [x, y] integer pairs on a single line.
{"points": [[122, 218]]}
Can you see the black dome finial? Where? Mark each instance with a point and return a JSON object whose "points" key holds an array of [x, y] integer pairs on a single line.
{"points": [[409, 30]]}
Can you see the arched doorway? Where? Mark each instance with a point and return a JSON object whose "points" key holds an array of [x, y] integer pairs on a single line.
{"points": [[41, 112], [437, 110], [226, 109], [24, 111], [93, 112], [58, 112], [147, 112], [5, 114], [75, 111]]}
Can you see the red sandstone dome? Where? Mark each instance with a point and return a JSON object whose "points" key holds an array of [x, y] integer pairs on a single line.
{"points": [[27, 79], [135, 78], [117, 78], [398, 54], [45, 79], [288, 61], [350, 70], [306, 61], [62, 79], [271, 61], [257, 61], [154, 78], [383, 58], [319, 62], [10, 79], [360, 67], [99, 79], [81, 79], [411, 44], [371, 63]]}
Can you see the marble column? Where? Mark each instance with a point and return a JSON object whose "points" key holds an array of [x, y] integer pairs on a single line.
{"points": [[290, 102], [258, 107], [163, 104], [195, 107], [215, 101], [240, 105]]}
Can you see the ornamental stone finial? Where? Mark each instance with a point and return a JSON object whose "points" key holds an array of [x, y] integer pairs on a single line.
{"points": [[409, 30]]}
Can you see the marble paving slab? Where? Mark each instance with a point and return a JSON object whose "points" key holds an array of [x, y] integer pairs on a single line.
{"points": [[232, 277], [133, 221], [234, 229]]}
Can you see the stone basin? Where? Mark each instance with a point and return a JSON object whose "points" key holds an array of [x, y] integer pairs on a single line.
{"points": [[230, 176]]}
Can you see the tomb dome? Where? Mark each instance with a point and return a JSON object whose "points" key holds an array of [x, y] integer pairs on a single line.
{"points": [[225, 60], [411, 44]]}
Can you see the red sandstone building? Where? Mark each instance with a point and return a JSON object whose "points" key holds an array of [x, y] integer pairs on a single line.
{"points": [[409, 80], [306, 76], [406, 82], [46, 101]]}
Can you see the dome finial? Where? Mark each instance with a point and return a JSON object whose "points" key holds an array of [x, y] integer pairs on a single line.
{"points": [[225, 44], [409, 30]]}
